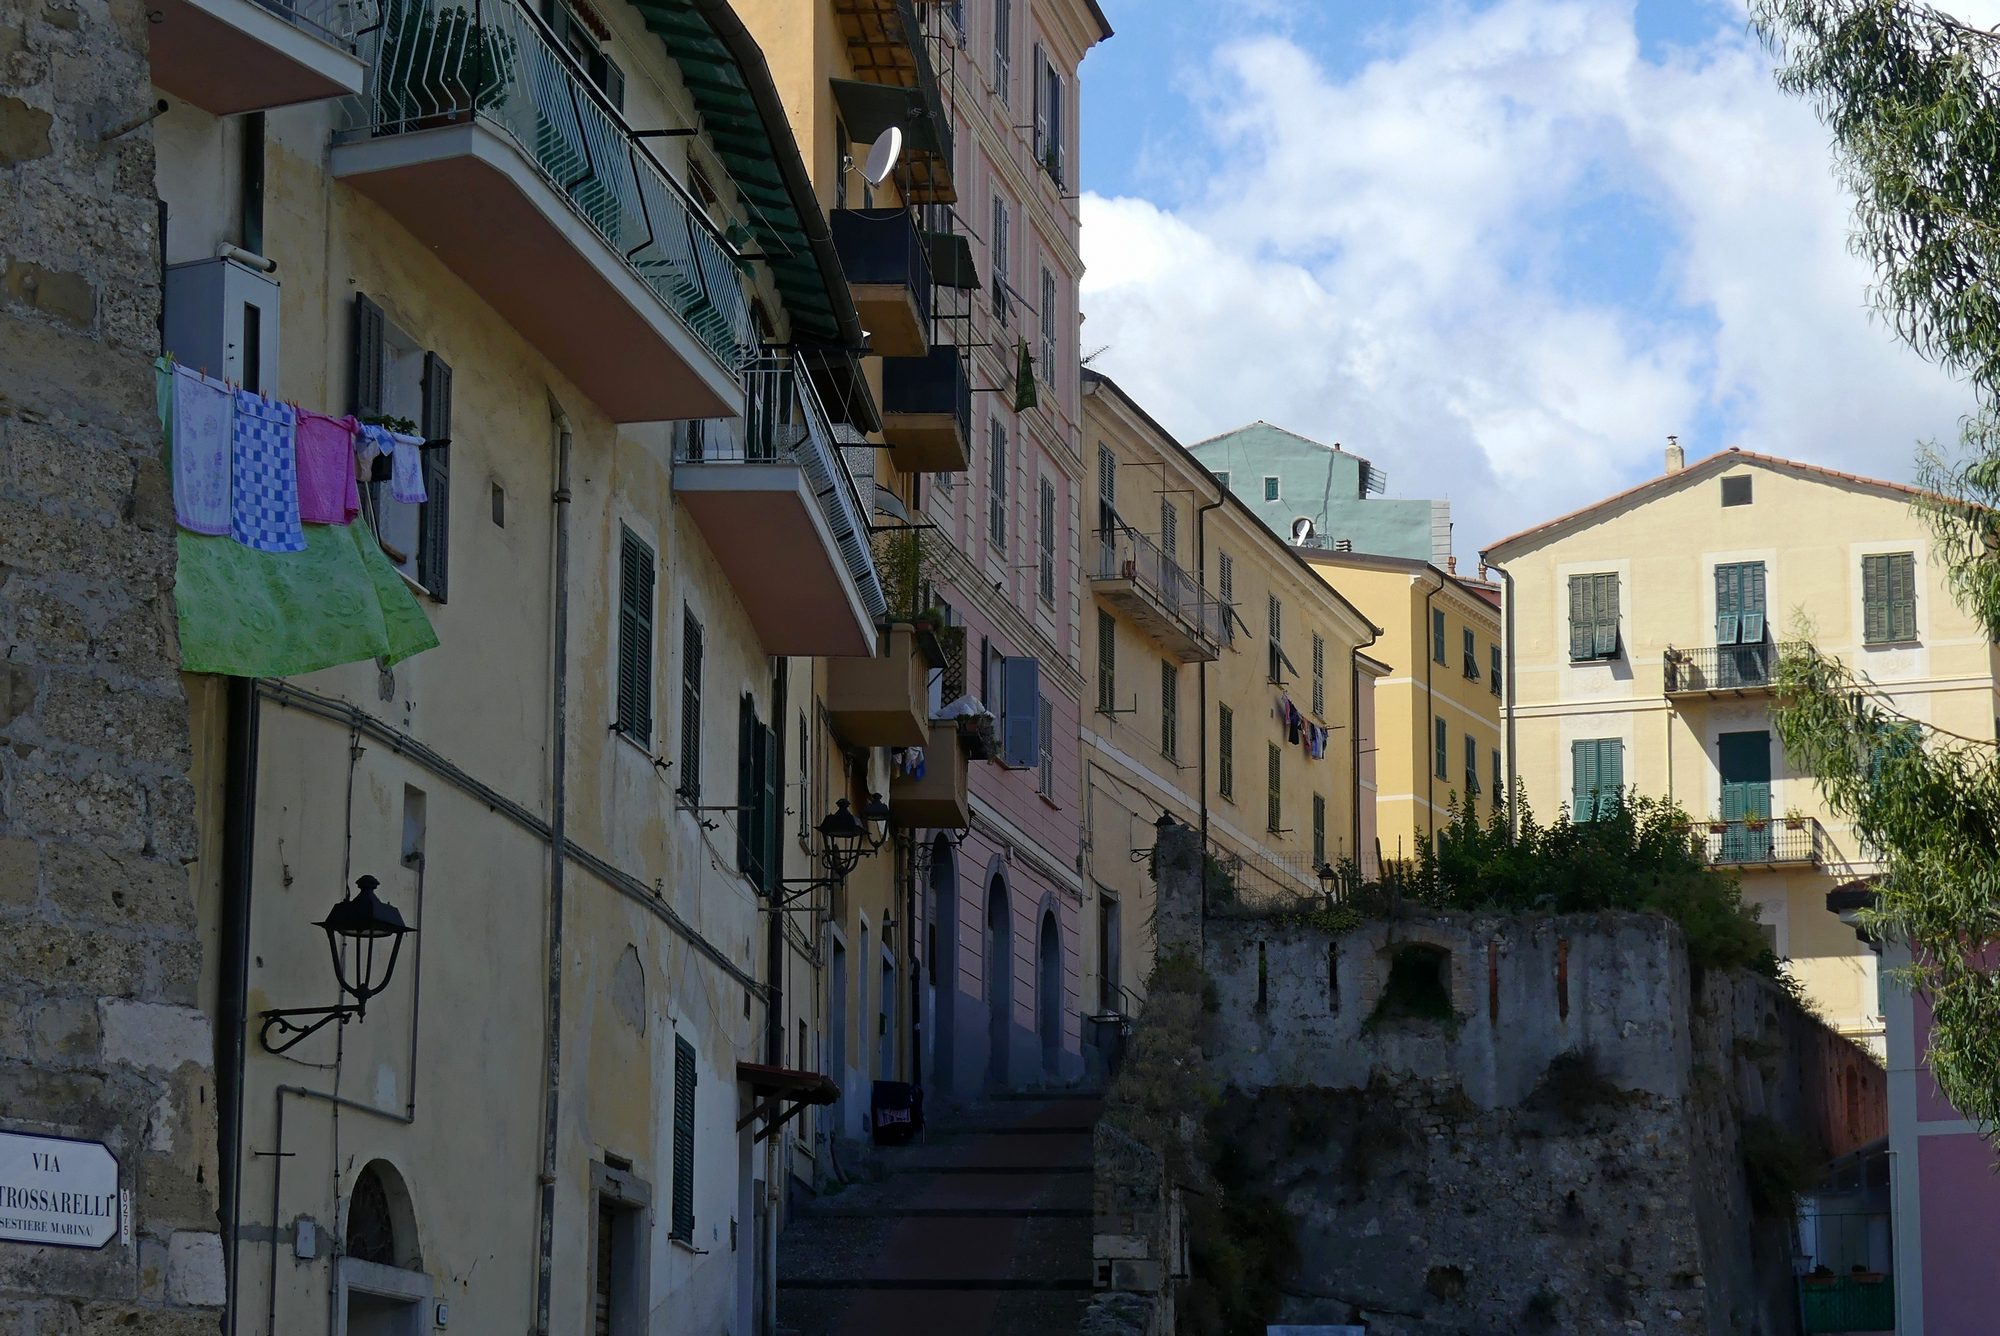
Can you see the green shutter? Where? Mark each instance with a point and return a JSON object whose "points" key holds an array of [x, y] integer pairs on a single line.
{"points": [[1903, 596], [1729, 605], [771, 810], [684, 1080], [1582, 633], [1319, 829], [747, 848], [1437, 634], [1225, 748], [1274, 802], [1874, 599], [1610, 774], [1753, 603], [635, 638], [1441, 762], [434, 518], [1583, 779], [690, 762], [1606, 607]]}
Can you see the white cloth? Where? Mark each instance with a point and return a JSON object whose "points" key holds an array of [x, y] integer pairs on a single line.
{"points": [[406, 475], [201, 448]]}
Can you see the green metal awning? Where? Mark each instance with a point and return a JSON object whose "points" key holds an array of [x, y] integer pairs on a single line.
{"points": [[743, 142], [951, 260], [867, 109]]}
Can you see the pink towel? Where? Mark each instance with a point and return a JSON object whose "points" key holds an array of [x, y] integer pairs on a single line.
{"points": [[328, 493]]}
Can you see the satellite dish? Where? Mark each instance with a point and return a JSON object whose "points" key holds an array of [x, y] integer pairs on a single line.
{"points": [[1302, 529], [882, 156]]}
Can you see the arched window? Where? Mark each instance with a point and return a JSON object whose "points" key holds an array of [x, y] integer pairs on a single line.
{"points": [[381, 1226]]}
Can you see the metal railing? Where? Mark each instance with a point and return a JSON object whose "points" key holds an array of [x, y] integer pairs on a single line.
{"points": [[1766, 840], [444, 62], [1126, 554], [783, 423], [884, 246], [1724, 667], [1848, 1303], [938, 382], [332, 21]]}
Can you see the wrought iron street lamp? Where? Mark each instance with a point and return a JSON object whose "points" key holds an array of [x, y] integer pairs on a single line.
{"points": [[844, 840], [356, 929]]}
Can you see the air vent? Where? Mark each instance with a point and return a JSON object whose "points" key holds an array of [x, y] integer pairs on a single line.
{"points": [[1736, 490]]}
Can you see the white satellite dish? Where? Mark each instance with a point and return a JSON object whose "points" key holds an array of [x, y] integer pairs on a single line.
{"points": [[1302, 529], [882, 156]]}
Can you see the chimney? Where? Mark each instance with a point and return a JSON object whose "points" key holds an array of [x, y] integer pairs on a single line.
{"points": [[1676, 457], [1451, 565]]}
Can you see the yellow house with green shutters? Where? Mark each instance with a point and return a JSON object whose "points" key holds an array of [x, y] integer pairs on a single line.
{"points": [[1644, 633]]}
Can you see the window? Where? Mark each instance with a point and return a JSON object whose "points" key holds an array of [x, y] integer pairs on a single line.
{"points": [[1493, 676], [1045, 781], [1003, 48], [1226, 578], [1736, 490], [1319, 829], [635, 638], [1048, 545], [684, 1080], [1170, 526], [1107, 487], [1437, 636], [757, 797], [1050, 124], [1049, 327], [1270, 487], [1225, 751], [1319, 674], [1471, 766], [1020, 712], [1274, 799], [1107, 663], [1499, 780], [999, 261], [1170, 710], [996, 485], [583, 46], [1222, 478], [1441, 762], [690, 762], [1593, 617], [806, 790], [1108, 952], [1889, 597], [1471, 652], [1739, 603], [394, 378], [1597, 777]]}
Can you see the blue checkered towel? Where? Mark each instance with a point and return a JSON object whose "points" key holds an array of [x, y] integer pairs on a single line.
{"points": [[265, 459]]}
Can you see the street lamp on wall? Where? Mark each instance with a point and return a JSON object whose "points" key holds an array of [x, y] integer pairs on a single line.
{"points": [[355, 930], [844, 840]]}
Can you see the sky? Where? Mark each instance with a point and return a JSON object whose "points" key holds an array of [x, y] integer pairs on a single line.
{"points": [[1502, 250]]}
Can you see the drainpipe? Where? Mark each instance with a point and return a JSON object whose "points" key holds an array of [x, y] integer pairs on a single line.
{"points": [[1507, 635], [239, 819], [1430, 702], [558, 860], [1201, 669], [1354, 734]]}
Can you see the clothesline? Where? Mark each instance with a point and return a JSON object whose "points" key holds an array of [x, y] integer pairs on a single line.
{"points": [[1299, 730]]}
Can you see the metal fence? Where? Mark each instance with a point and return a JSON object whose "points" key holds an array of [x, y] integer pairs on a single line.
{"points": [[443, 62], [1126, 554], [1771, 840], [333, 21], [1724, 667]]}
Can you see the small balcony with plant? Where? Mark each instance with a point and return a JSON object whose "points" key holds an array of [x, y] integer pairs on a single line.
{"points": [[480, 134], [775, 501], [1130, 574], [927, 410], [1724, 670], [888, 266], [1792, 840], [883, 700], [234, 56]]}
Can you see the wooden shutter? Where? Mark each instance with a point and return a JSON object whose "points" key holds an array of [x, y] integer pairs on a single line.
{"points": [[1048, 518], [1225, 566], [1274, 799], [1437, 635], [771, 788], [1728, 604], [434, 519], [1605, 606], [1583, 779], [635, 638], [1225, 750], [1319, 829], [1471, 764], [1107, 662], [1021, 688], [1610, 774], [1754, 619], [368, 358], [690, 762], [1874, 599], [1582, 630], [1170, 537], [1170, 708], [684, 1081], [748, 846], [1903, 596], [1441, 748]]}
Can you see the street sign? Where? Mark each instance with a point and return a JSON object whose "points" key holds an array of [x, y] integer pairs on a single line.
{"points": [[56, 1191]]}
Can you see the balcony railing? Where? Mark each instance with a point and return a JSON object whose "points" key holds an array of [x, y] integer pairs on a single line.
{"points": [[783, 423], [1126, 557], [440, 62], [927, 410], [882, 247], [1724, 667], [1771, 841], [332, 21], [1848, 1303]]}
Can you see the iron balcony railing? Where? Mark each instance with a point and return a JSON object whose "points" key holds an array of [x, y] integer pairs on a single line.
{"points": [[1125, 554], [1863, 1302], [883, 246], [1724, 667], [783, 423], [445, 62], [332, 21], [1758, 841]]}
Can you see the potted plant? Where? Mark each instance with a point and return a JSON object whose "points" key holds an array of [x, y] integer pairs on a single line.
{"points": [[1754, 822], [1795, 819], [438, 66], [1718, 827], [976, 734]]}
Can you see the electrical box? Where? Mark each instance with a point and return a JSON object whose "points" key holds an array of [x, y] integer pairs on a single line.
{"points": [[222, 317]]}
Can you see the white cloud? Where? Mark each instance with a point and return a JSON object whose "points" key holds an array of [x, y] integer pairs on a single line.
{"points": [[1384, 260]]}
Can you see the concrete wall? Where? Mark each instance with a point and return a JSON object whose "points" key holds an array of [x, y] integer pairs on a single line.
{"points": [[101, 1038]]}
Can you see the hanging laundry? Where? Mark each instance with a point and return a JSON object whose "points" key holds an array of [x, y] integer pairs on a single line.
{"points": [[406, 477], [328, 493], [200, 446], [371, 443], [1294, 721], [264, 505]]}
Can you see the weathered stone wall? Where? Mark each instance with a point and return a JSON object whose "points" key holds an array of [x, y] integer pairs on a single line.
{"points": [[100, 1035]]}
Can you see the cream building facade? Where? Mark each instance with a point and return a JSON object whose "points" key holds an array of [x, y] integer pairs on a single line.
{"points": [[1229, 686], [1645, 631], [1437, 708]]}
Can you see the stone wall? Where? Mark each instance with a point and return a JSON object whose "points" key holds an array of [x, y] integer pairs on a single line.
{"points": [[100, 1035]]}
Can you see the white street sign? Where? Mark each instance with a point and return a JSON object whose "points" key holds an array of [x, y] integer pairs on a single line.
{"points": [[56, 1191]]}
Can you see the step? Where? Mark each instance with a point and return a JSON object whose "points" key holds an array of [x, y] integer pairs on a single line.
{"points": [[922, 1312], [1018, 1149], [931, 1189], [981, 1250]]}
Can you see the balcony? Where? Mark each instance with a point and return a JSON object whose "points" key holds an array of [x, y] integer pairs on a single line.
{"points": [[1770, 842], [927, 410], [1133, 576], [480, 136], [1738, 670], [1863, 1301], [880, 701], [233, 56], [938, 799], [779, 509], [888, 268]]}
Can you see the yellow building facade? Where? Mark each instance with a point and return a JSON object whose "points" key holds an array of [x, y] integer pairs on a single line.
{"points": [[1227, 685], [1437, 707], [1646, 628]]}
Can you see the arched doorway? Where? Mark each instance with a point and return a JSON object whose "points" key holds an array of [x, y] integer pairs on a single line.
{"points": [[381, 1286], [999, 981], [1048, 993], [941, 976]]}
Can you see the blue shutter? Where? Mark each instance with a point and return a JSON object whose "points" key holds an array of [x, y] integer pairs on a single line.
{"points": [[1021, 688], [1728, 604], [1583, 779]]}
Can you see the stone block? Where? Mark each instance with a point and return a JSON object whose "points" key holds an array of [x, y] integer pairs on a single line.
{"points": [[64, 373], [17, 691], [81, 470], [16, 1025], [47, 628], [130, 1320], [66, 1032], [75, 1103], [89, 712], [1117, 1246], [194, 1269], [20, 866], [94, 884], [34, 540], [64, 959], [24, 132], [172, 832], [96, 806], [140, 634], [153, 1036], [1139, 1276], [68, 297]]}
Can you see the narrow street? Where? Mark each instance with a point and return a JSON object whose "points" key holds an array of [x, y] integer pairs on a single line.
{"points": [[983, 1227]]}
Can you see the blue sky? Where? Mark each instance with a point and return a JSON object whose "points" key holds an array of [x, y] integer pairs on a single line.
{"points": [[1501, 248]]}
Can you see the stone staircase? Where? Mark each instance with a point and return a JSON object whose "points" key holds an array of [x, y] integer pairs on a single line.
{"points": [[983, 1227]]}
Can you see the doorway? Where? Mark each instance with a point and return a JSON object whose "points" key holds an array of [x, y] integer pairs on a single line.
{"points": [[1048, 993], [999, 982], [836, 1031], [944, 963], [1744, 760]]}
